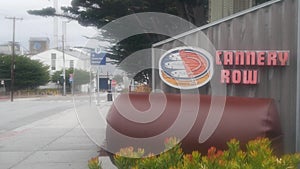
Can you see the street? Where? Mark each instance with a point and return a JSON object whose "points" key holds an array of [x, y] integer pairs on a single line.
{"points": [[46, 132]]}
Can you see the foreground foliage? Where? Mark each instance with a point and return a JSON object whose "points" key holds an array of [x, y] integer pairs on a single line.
{"points": [[94, 163], [258, 155]]}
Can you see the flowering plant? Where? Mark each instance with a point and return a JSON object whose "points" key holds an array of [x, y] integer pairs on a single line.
{"points": [[126, 158], [258, 155], [94, 163]]}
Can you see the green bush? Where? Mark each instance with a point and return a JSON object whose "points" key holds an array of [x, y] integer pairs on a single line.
{"points": [[258, 155]]}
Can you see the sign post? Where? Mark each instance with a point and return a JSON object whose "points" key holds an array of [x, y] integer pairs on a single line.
{"points": [[98, 58], [71, 78]]}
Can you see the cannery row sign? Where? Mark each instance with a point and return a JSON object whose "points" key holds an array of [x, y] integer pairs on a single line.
{"points": [[190, 67], [186, 67], [242, 67]]}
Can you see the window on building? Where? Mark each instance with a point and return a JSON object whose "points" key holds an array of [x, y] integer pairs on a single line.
{"points": [[53, 61], [71, 63]]}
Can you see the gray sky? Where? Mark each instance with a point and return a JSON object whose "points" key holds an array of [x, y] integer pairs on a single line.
{"points": [[36, 26]]}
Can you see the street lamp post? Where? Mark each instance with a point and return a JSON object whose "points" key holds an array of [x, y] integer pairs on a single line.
{"points": [[64, 34], [98, 86]]}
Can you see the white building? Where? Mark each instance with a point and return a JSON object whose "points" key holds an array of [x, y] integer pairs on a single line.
{"points": [[6, 49], [55, 59], [74, 58]]}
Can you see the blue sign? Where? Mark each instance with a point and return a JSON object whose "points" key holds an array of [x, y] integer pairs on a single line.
{"points": [[98, 58]]}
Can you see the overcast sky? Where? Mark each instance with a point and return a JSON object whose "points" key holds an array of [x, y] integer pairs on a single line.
{"points": [[36, 26]]}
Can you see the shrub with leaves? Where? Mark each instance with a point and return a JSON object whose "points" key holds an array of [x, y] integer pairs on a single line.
{"points": [[94, 163], [127, 158], [258, 155]]}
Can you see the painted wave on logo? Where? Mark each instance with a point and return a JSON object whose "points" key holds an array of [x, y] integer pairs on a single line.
{"points": [[185, 67]]}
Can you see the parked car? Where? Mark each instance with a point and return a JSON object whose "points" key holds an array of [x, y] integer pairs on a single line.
{"points": [[119, 88]]}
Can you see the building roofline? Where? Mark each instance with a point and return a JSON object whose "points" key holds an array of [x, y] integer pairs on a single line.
{"points": [[39, 39], [238, 14]]}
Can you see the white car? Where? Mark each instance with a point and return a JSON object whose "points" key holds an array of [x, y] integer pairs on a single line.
{"points": [[119, 88]]}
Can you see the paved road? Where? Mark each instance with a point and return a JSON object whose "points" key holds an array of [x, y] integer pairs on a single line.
{"points": [[45, 133], [25, 111]]}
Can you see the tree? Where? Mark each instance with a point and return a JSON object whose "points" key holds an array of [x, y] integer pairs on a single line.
{"points": [[5, 67], [28, 73], [80, 77], [56, 77], [98, 13]]}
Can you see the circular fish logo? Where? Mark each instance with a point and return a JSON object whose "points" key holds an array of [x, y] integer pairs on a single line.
{"points": [[186, 67]]}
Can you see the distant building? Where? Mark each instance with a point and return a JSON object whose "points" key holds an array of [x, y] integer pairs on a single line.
{"points": [[7, 48], [38, 44], [54, 59], [74, 58], [220, 9]]}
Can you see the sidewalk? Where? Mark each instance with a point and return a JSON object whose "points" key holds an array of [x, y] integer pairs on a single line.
{"points": [[56, 142]]}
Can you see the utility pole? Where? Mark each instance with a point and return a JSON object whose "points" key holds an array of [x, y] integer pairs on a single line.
{"points": [[12, 65], [64, 65], [55, 25]]}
